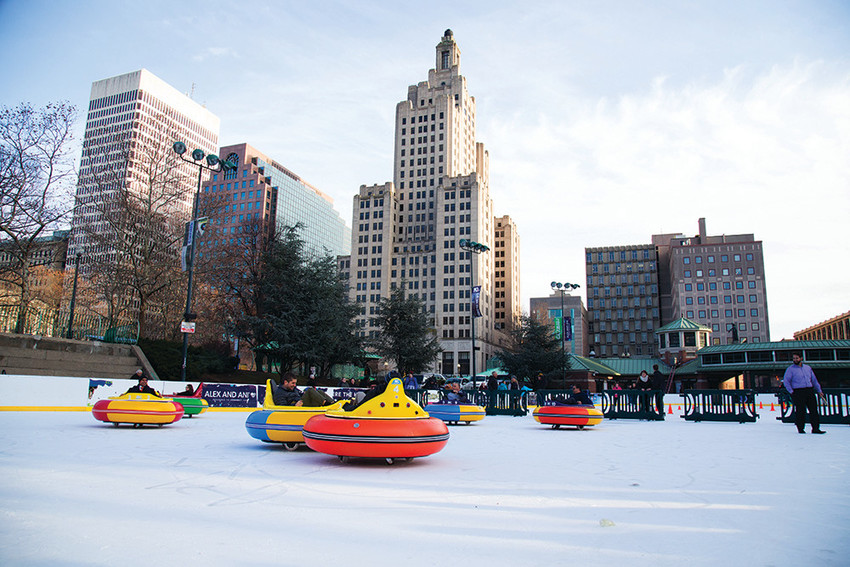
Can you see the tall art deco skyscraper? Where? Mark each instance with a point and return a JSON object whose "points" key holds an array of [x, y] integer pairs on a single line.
{"points": [[407, 232]]}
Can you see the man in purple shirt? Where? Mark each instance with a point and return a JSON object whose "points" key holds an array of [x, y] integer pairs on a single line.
{"points": [[801, 383]]}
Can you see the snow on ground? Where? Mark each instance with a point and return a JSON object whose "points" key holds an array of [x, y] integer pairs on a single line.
{"points": [[504, 491]]}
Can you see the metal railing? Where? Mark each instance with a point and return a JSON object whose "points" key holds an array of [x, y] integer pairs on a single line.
{"points": [[720, 405], [49, 322], [500, 402], [835, 410], [633, 404]]}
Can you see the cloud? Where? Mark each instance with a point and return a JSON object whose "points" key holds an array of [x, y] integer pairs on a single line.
{"points": [[753, 153], [215, 53]]}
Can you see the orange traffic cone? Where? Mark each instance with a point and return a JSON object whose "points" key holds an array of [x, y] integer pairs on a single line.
{"points": [[670, 409], [761, 406], [771, 407]]}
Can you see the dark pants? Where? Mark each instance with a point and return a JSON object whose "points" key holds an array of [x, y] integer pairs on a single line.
{"points": [[314, 398], [805, 399], [643, 402]]}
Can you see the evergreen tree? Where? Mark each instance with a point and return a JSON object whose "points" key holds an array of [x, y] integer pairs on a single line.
{"points": [[535, 350], [405, 336], [305, 312]]}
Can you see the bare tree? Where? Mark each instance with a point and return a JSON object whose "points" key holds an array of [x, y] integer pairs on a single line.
{"points": [[138, 199], [230, 274], [36, 184]]}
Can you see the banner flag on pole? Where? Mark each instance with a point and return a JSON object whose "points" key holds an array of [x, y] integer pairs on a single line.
{"points": [[476, 298]]}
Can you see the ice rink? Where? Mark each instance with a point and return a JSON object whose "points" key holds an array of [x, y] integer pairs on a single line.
{"points": [[504, 491]]}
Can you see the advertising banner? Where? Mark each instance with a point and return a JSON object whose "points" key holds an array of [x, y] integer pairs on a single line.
{"points": [[230, 395], [568, 328], [476, 298]]}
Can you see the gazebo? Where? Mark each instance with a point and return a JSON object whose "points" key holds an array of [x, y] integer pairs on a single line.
{"points": [[680, 340]]}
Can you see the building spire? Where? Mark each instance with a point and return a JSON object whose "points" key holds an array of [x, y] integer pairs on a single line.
{"points": [[448, 53]]}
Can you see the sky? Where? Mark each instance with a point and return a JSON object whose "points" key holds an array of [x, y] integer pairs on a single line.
{"points": [[605, 121], [504, 491]]}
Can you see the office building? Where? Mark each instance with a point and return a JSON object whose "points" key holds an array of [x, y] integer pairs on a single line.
{"points": [[623, 307], [716, 281], [132, 122], [261, 190], [44, 272], [407, 232], [507, 308], [836, 328], [548, 309]]}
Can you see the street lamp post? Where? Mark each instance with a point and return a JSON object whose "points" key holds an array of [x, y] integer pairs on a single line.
{"points": [[562, 287], [213, 164], [476, 248]]}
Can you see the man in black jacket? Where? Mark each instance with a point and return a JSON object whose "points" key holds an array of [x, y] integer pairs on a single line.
{"points": [[579, 397], [659, 382], [143, 388], [287, 394]]}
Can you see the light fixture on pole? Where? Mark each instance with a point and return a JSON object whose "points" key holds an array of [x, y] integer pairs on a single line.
{"points": [[473, 247], [215, 165], [562, 287]]}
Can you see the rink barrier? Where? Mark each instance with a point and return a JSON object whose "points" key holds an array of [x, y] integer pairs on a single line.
{"points": [[720, 405], [501, 402], [835, 410], [494, 402], [633, 404]]}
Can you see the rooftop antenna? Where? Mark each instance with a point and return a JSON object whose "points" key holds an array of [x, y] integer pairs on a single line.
{"points": [[192, 92]]}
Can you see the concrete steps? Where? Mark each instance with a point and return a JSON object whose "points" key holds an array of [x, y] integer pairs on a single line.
{"points": [[47, 356]]}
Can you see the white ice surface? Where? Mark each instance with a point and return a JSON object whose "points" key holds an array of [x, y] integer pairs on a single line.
{"points": [[504, 491]]}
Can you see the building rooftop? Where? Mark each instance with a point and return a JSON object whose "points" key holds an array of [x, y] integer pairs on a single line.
{"points": [[682, 324]]}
